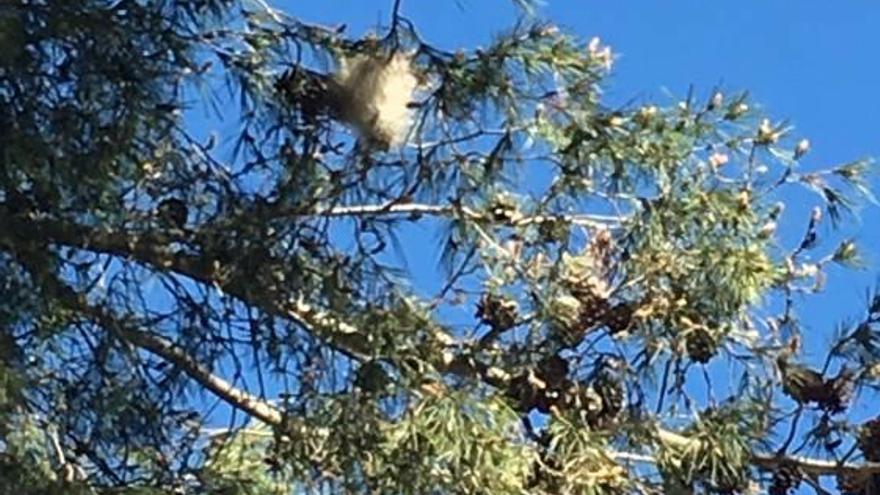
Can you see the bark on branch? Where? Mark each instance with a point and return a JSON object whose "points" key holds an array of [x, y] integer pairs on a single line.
{"points": [[176, 355], [155, 250], [160, 346]]}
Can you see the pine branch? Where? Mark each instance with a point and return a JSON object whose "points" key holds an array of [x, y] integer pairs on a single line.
{"points": [[159, 346], [809, 465], [177, 355], [150, 249], [397, 208], [153, 249]]}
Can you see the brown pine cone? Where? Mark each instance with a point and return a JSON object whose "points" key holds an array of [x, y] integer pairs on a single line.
{"points": [[838, 392], [553, 230], [701, 345], [529, 391], [499, 312], [522, 393], [598, 402], [550, 398], [587, 402], [786, 477], [855, 483], [553, 370], [869, 439], [619, 318], [802, 384], [172, 212], [593, 311], [591, 291]]}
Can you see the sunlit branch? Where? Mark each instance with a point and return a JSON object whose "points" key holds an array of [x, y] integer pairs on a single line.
{"points": [[391, 209], [161, 347], [172, 353]]}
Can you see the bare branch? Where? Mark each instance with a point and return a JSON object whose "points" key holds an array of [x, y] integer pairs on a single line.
{"points": [[396, 208]]}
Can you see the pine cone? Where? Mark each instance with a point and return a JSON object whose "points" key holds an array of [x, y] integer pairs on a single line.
{"points": [[371, 377], [869, 439], [574, 317], [497, 311], [172, 212], [838, 392], [553, 230], [311, 93], [587, 289], [786, 477], [590, 291], [598, 402], [549, 398], [522, 394], [802, 384], [593, 310], [855, 483], [553, 370], [700, 344], [528, 391], [619, 318], [587, 402]]}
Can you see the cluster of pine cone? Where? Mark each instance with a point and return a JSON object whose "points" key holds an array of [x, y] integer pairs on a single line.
{"points": [[542, 387], [601, 401], [598, 400], [596, 310]]}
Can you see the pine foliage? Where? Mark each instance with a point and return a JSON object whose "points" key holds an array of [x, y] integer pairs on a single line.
{"points": [[233, 312]]}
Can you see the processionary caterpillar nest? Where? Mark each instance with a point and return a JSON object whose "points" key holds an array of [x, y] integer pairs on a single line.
{"points": [[373, 93]]}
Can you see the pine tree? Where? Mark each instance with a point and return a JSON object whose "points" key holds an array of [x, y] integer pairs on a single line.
{"points": [[230, 314]]}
